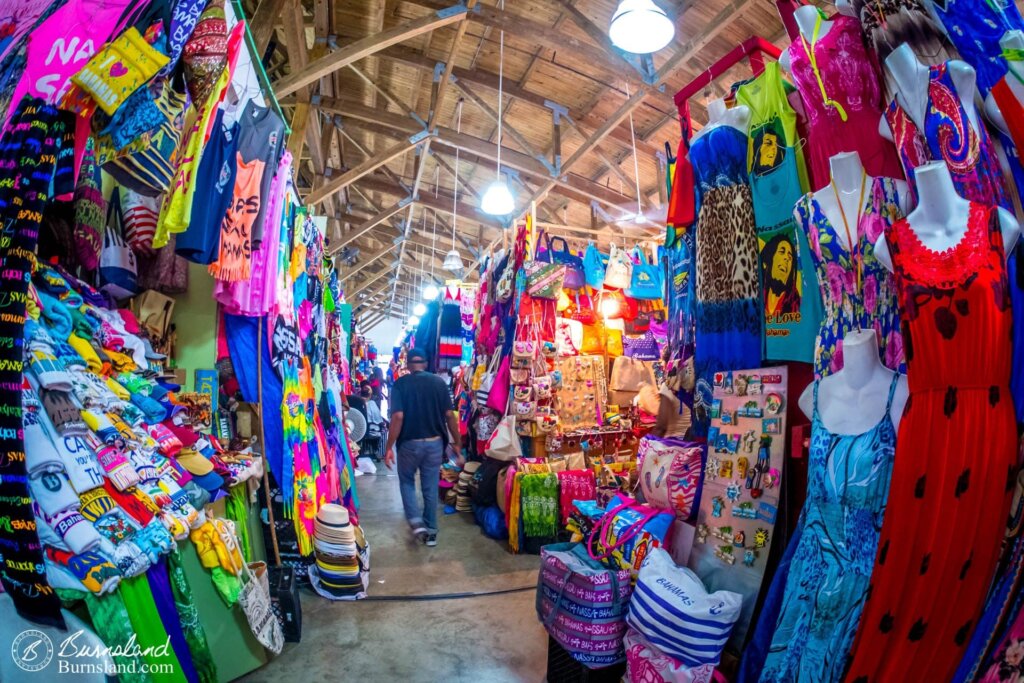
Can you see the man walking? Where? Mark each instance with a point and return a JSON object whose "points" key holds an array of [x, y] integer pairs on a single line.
{"points": [[423, 421]]}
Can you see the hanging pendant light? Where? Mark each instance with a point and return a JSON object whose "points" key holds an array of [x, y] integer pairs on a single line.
{"points": [[414, 321], [453, 261], [640, 27], [431, 292], [497, 199], [419, 309]]}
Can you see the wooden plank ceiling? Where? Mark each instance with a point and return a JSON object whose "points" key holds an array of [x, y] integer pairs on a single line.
{"points": [[374, 88]]}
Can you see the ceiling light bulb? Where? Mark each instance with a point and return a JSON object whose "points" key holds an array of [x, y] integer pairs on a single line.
{"points": [[430, 292], [498, 199], [453, 261], [640, 27], [414, 321], [609, 307], [419, 309]]}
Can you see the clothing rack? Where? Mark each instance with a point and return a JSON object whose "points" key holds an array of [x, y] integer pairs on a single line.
{"points": [[752, 49]]}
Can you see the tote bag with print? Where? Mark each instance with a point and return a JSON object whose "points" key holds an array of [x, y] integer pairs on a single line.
{"points": [[118, 271]]}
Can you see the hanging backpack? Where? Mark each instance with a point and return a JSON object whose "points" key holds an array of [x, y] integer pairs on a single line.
{"points": [[574, 274], [619, 273], [594, 264], [118, 273], [646, 280]]}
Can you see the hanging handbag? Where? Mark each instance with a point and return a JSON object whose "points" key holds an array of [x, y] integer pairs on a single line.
{"points": [[500, 387], [582, 604], [118, 273], [569, 337], [483, 393], [254, 597], [593, 340], [613, 341], [504, 443], [646, 281], [506, 281], [583, 309], [544, 277], [619, 273], [643, 347], [574, 276], [594, 264], [670, 473]]}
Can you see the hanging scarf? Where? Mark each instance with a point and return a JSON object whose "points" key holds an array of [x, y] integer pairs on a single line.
{"points": [[188, 616], [29, 148], [236, 509], [149, 630], [539, 501], [113, 626], [574, 485]]}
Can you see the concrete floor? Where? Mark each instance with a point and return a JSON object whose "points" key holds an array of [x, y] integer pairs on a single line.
{"points": [[477, 640]]}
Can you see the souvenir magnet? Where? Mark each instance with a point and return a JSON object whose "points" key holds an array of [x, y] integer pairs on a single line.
{"points": [[716, 408], [741, 468], [727, 383], [702, 533], [754, 385], [733, 492], [717, 504], [744, 510], [719, 380], [771, 480], [740, 385], [725, 470], [772, 425], [748, 557], [733, 444], [767, 512], [724, 553], [713, 468], [760, 537], [749, 441], [773, 403], [739, 539]]}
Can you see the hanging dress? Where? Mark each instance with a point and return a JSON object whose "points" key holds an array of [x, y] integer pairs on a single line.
{"points": [[840, 89], [847, 487], [727, 320], [887, 24], [851, 303], [955, 462], [975, 27], [790, 302], [449, 352], [949, 136]]}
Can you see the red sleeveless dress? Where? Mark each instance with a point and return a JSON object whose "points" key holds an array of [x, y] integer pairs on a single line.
{"points": [[955, 457]]}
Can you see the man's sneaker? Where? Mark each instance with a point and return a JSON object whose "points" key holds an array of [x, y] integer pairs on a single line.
{"points": [[431, 540], [420, 534]]}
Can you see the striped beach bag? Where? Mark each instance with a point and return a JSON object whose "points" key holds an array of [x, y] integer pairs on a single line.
{"points": [[583, 604], [673, 612]]}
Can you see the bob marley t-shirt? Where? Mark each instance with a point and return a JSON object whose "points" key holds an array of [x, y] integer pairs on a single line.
{"points": [[790, 297]]}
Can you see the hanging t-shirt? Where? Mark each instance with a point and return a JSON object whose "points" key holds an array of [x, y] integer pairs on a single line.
{"points": [[261, 139], [772, 124], [216, 176], [236, 229], [790, 296]]}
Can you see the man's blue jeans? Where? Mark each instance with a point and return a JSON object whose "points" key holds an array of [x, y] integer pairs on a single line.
{"points": [[425, 457]]}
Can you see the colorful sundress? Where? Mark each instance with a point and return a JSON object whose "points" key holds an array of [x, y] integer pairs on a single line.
{"points": [[869, 303], [847, 487], [839, 86], [949, 136], [728, 319], [956, 459]]}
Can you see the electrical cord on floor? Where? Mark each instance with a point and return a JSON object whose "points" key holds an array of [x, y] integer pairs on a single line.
{"points": [[445, 596]]}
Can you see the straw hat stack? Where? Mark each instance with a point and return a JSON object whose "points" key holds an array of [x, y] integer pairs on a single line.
{"points": [[463, 498], [336, 548]]}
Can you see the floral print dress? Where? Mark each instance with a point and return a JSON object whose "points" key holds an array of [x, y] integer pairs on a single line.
{"points": [[849, 306]]}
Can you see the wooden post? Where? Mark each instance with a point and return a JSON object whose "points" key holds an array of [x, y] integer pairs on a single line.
{"points": [[263, 442]]}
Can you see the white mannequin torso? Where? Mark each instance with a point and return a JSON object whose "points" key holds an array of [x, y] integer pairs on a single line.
{"points": [[848, 174], [909, 79], [806, 17], [852, 401], [737, 117], [940, 219], [1011, 40]]}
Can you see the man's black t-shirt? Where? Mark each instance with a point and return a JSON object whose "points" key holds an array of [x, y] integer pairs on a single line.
{"points": [[424, 400]]}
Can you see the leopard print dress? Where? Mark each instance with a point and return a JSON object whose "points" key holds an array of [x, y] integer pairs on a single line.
{"points": [[727, 293]]}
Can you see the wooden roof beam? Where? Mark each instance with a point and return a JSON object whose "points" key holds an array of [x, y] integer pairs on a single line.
{"points": [[367, 166], [365, 47], [368, 225]]}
